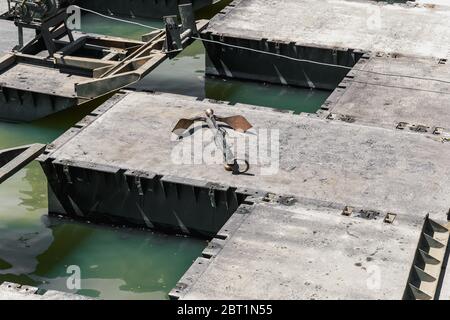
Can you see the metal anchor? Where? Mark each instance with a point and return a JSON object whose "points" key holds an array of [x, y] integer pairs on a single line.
{"points": [[237, 123]]}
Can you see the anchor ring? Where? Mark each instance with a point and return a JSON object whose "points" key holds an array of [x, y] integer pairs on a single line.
{"points": [[236, 167]]}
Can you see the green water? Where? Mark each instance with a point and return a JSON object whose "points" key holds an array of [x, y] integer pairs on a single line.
{"points": [[185, 74], [115, 263], [36, 250]]}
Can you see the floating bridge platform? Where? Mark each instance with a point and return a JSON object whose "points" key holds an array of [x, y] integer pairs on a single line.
{"points": [[333, 32], [348, 201], [353, 203], [374, 95]]}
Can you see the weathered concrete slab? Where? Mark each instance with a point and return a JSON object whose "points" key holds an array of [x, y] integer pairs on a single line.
{"points": [[329, 33], [408, 29], [12, 291], [294, 242], [386, 100], [352, 164], [306, 251], [22, 98], [23, 77]]}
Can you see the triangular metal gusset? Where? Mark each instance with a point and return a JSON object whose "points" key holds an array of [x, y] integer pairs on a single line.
{"points": [[426, 271]]}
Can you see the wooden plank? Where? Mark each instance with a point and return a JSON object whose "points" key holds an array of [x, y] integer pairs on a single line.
{"points": [[18, 158]]}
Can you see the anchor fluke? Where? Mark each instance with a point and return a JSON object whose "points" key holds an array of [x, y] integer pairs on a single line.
{"points": [[238, 123], [184, 124]]}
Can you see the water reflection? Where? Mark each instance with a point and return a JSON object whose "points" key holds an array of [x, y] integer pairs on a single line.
{"points": [[115, 263], [35, 197]]}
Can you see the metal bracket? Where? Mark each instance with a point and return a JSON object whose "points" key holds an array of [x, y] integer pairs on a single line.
{"points": [[188, 18], [47, 30], [419, 128], [402, 125], [390, 217], [173, 35], [438, 131], [368, 214], [341, 117], [347, 211]]}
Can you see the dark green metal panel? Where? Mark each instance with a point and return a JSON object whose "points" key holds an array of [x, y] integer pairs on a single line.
{"points": [[115, 196]]}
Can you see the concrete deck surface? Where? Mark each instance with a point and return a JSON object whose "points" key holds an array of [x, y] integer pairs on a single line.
{"points": [[23, 76], [308, 251], [409, 29], [385, 100], [357, 165]]}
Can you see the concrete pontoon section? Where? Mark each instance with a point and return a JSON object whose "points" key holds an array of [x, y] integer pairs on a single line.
{"points": [[349, 203], [334, 32], [305, 251], [418, 102], [12, 291], [31, 99], [105, 168]]}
